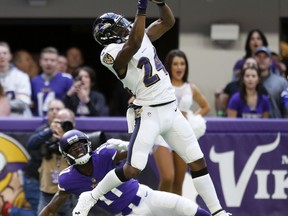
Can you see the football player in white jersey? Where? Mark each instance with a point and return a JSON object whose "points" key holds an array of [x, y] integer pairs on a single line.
{"points": [[130, 55]]}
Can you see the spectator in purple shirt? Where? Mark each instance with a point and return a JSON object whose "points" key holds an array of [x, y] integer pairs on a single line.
{"points": [[130, 198], [222, 99], [50, 84], [249, 102]]}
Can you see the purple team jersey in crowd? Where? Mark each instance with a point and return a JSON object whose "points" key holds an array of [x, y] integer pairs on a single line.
{"points": [[114, 201], [244, 111], [45, 91]]}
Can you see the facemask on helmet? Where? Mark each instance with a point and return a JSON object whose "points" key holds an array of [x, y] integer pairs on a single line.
{"points": [[70, 138], [111, 28]]}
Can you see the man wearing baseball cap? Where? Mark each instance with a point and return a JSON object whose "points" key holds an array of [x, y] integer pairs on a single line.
{"points": [[263, 50], [273, 83]]}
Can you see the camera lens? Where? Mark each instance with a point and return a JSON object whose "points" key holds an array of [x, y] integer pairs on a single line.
{"points": [[67, 126]]}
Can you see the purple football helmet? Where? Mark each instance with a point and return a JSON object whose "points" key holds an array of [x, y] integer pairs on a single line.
{"points": [[68, 139]]}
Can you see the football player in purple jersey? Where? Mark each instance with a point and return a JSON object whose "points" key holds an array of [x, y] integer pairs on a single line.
{"points": [[87, 168]]}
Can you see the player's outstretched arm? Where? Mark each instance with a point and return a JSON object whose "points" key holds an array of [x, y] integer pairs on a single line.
{"points": [[165, 22], [135, 39], [57, 201]]}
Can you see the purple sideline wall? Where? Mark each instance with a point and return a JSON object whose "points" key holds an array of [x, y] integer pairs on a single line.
{"points": [[247, 159]]}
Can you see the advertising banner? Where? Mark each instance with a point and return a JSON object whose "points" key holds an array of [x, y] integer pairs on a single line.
{"points": [[250, 171]]}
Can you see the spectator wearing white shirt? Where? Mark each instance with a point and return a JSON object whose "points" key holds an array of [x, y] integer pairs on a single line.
{"points": [[16, 84]]}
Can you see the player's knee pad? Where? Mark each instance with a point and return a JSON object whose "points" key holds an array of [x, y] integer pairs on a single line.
{"points": [[139, 160], [192, 153]]}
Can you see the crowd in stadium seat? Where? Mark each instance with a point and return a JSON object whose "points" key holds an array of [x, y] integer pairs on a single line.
{"points": [[41, 74], [272, 82]]}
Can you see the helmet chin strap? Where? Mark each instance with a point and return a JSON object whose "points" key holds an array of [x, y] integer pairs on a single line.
{"points": [[82, 160]]}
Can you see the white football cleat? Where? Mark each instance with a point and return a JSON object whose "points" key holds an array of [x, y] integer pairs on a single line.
{"points": [[84, 204]]}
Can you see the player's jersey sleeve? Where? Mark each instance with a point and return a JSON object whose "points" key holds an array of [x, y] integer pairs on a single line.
{"points": [[63, 178], [109, 54]]}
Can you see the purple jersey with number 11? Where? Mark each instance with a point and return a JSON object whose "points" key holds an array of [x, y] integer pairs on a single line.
{"points": [[116, 200]]}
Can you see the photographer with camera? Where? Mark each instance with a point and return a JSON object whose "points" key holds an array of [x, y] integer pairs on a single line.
{"points": [[31, 174], [46, 140]]}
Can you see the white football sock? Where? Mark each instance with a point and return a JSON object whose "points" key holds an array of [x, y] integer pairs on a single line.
{"points": [[206, 190]]}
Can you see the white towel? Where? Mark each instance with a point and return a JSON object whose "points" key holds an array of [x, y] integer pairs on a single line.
{"points": [[130, 116]]}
